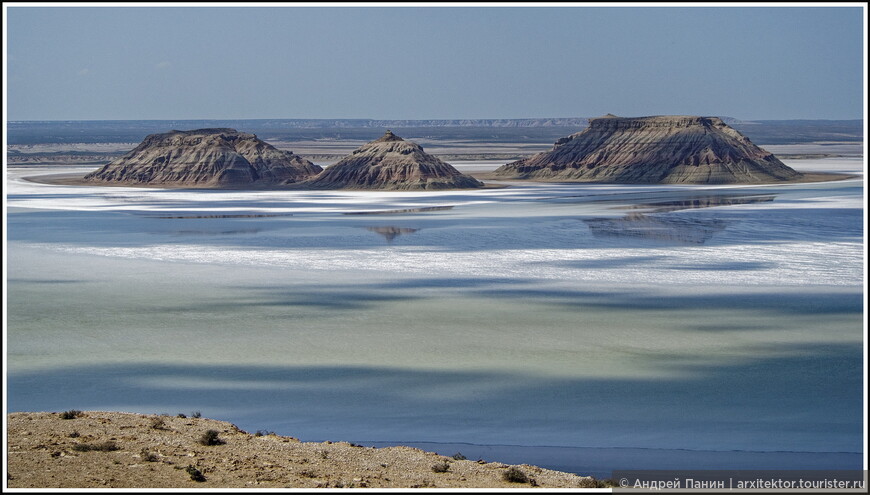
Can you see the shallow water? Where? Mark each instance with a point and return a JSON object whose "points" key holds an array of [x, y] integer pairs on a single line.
{"points": [[715, 319]]}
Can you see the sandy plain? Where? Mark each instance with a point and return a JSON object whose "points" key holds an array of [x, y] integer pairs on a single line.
{"points": [[126, 450]]}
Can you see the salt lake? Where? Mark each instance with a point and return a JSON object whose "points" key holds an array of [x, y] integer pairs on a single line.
{"points": [[582, 327]]}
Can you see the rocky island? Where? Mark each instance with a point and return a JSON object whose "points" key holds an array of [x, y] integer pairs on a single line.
{"points": [[205, 158], [674, 149], [390, 162]]}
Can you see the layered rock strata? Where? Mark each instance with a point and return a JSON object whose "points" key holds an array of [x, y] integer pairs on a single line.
{"points": [[390, 162], [653, 150], [206, 158]]}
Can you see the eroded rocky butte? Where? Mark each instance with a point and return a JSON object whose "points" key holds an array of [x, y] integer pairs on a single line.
{"points": [[390, 162], [206, 158], [653, 150]]}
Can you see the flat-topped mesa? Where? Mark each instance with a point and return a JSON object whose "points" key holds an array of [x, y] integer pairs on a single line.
{"points": [[673, 149], [206, 158], [390, 162]]}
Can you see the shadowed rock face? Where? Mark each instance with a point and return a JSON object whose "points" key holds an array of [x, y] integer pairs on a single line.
{"points": [[653, 150], [390, 162], [206, 158]]}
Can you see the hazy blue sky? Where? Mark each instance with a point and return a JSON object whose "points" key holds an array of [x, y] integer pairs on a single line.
{"points": [[430, 63]]}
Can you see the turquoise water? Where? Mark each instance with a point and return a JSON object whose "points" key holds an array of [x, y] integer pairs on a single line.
{"points": [[649, 319]]}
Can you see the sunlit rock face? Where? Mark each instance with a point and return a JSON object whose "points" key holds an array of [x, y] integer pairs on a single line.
{"points": [[390, 162], [206, 158], [653, 150]]}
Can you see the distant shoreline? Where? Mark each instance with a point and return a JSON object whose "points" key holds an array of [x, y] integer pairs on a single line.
{"points": [[70, 179]]}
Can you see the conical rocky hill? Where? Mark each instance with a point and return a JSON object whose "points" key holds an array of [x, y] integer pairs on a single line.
{"points": [[206, 158], [653, 150], [390, 162]]}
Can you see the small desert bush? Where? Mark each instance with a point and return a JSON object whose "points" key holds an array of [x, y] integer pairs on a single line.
{"points": [[607, 483], [459, 457], [106, 446], [148, 456], [195, 474], [589, 483], [515, 475], [210, 437], [196, 414], [71, 414], [74, 434], [441, 467], [263, 433], [158, 423]]}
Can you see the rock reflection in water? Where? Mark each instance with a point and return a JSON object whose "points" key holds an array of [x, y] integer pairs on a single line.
{"points": [[394, 212], [391, 232], [639, 226], [216, 232], [676, 229], [701, 202], [249, 215]]}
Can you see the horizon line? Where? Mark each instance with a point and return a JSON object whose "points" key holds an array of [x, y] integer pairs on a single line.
{"points": [[10, 121]]}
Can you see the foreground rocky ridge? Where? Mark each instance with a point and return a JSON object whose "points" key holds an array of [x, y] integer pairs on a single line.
{"points": [[127, 450], [206, 158], [390, 162], [653, 150]]}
